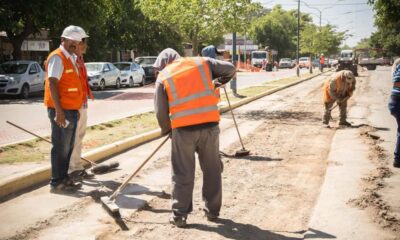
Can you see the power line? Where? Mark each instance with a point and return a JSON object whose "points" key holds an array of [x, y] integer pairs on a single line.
{"points": [[323, 4]]}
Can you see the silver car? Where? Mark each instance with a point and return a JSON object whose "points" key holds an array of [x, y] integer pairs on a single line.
{"points": [[102, 75], [131, 73], [21, 78]]}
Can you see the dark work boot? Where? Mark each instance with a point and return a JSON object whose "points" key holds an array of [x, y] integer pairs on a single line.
{"points": [[178, 221], [396, 163]]}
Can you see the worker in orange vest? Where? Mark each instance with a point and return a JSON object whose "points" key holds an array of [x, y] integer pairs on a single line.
{"points": [[321, 62], [76, 170], [338, 88], [63, 99], [186, 107]]}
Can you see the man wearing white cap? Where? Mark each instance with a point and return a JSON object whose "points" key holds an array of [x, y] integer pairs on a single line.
{"points": [[63, 99]]}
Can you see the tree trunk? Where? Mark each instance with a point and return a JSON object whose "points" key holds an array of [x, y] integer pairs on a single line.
{"points": [[17, 40], [17, 43], [195, 46]]}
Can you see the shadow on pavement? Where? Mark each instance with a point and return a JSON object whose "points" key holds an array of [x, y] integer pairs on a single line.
{"points": [[233, 230], [259, 158]]}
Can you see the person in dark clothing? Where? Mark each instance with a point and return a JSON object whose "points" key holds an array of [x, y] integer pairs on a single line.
{"points": [[394, 108]]}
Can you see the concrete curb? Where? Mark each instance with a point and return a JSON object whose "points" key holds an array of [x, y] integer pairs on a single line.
{"points": [[25, 180]]}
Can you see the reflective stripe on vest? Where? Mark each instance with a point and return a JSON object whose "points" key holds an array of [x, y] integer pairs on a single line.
{"points": [[193, 111], [177, 101], [200, 97]]}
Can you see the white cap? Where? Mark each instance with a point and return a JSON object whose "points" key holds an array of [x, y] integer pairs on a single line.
{"points": [[72, 32], [82, 32]]}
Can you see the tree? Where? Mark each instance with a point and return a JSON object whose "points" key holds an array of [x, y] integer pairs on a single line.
{"points": [[363, 43], [197, 21], [19, 19], [278, 30], [387, 20], [315, 40]]}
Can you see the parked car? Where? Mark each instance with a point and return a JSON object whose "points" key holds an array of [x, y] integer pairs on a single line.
{"points": [[131, 74], [304, 62], [21, 78], [102, 75], [285, 63], [147, 64]]}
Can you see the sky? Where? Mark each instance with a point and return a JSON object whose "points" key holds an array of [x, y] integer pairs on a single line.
{"points": [[356, 17]]}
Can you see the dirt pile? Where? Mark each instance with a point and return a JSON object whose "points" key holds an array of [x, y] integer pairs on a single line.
{"points": [[371, 200]]}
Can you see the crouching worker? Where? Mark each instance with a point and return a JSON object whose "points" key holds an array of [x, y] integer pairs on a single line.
{"points": [[186, 105], [338, 88]]}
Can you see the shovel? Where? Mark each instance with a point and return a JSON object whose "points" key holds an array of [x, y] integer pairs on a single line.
{"points": [[109, 202]]}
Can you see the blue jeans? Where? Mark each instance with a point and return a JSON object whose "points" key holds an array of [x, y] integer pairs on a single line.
{"points": [[62, 145], [394, 107]]}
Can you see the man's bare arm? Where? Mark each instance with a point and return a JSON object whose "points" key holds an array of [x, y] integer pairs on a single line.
{"points": [[60, 116]]}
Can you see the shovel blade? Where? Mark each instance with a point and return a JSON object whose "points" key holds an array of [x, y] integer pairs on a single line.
{"points": [[110, 205], [242, 152]]}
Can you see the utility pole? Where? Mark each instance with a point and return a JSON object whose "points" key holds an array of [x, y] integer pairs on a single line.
{"points": [[234, 60], [298, 39]]}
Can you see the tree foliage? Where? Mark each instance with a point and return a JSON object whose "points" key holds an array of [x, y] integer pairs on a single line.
{"points": [[315, 40], [112, 25], [19, 19], [199, 21], [277, 30], [387, 20]]}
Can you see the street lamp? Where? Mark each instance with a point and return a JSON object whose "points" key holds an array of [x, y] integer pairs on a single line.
{"points": [[320, 12]]}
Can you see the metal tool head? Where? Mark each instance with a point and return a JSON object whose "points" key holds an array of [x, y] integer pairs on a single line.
{"points": [[110, 206], [242, 152]]}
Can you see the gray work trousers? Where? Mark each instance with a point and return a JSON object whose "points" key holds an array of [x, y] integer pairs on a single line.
{"points": [[185, 143], [342, 108]]}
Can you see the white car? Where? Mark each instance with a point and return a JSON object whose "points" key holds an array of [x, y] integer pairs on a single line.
{"points": [[131, 74], [102, 75], [285, 63], [304, 62], [21, 78]]}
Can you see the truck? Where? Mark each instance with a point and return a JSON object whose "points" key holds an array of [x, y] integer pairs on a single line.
{"points": [[369, 57], [347, 61], [258, 57]]}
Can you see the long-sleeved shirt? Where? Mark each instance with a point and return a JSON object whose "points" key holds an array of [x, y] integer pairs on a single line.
{"points": [[340, 86], [396, 80], [222, 71]]}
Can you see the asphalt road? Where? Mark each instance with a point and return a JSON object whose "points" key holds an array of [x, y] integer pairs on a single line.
{"points": [[108, 105]]}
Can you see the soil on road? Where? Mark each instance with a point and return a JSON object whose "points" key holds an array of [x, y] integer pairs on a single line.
{"points": [[270, 194]]}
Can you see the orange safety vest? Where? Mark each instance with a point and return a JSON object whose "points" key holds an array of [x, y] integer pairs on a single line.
{"points": [[190, 91], [69, 86], [339, 81]]}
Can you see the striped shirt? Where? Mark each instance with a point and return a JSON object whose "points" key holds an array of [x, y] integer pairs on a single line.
{"points": [[396, 81]]}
